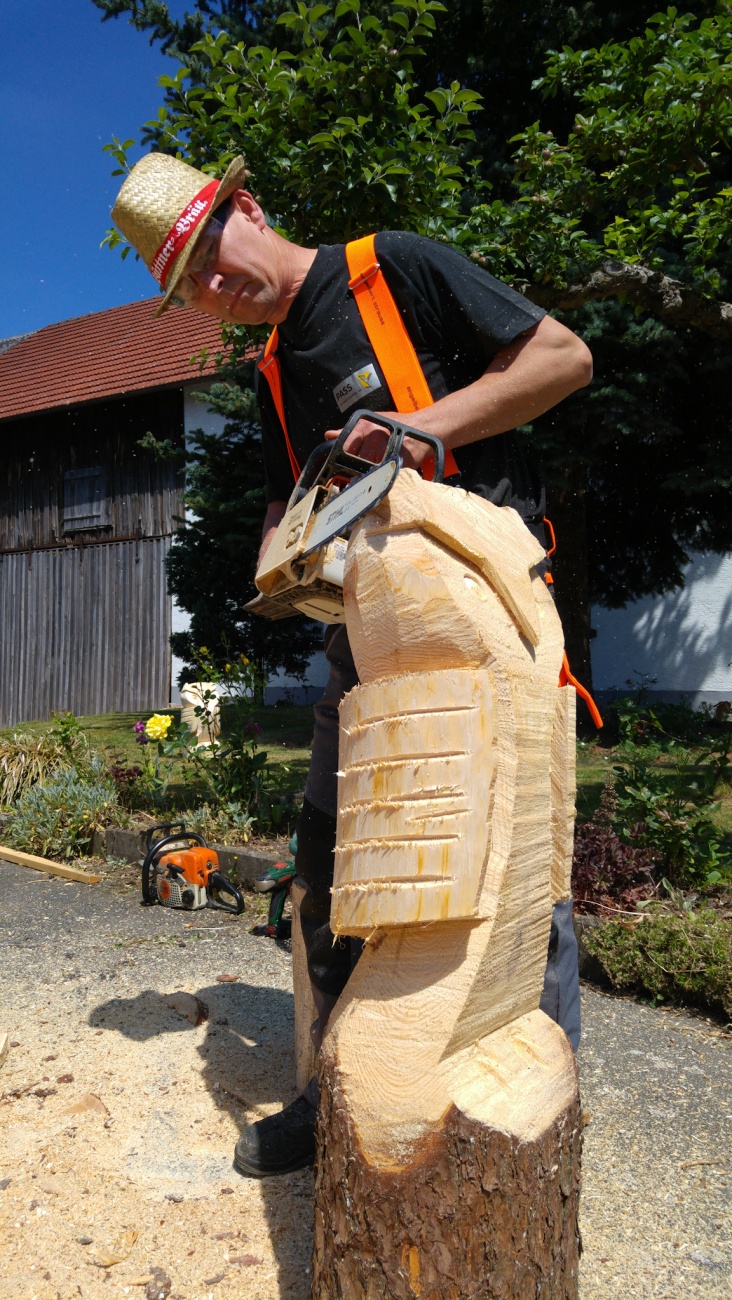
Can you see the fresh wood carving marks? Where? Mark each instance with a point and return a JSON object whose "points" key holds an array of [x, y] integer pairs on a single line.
{"points": [[518, 1079], [418, 762]]}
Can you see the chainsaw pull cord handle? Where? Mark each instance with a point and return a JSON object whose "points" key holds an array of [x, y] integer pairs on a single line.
{"points": [[149, 895]]}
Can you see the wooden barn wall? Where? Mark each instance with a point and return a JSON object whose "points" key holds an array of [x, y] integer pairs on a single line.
{"points": [[85, 616], [143, 493], [85, 629]]}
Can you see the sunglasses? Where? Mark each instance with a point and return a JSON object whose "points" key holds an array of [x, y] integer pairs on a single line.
{"points": [[203, 258]]}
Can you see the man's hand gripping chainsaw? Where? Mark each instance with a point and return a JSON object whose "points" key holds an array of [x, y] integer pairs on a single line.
{"points": [[302, 570]]}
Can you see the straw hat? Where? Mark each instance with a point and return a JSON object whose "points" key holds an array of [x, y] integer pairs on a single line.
{"points": [[162, 209]]}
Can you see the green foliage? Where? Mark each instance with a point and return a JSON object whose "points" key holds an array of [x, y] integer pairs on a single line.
{"points": [[58, 818], [213, 559], [681, 957], [229, 773], [250, 21], [643, 175], [27, 760], [665, 795], [608, 873], [336, 136], [227, 823]]}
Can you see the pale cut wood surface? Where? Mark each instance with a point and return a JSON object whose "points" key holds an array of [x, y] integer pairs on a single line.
{"points": [[417, 764], [305, 1012], [423, 621], [45, 864], [564, 791]]}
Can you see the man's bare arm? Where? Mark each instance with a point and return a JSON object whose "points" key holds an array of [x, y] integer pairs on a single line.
{"points": [[523, 380], [272, 519]]}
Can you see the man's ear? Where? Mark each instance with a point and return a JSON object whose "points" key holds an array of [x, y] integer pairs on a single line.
{"points": [[247, 204]]}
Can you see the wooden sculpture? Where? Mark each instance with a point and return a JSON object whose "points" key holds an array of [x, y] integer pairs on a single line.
{"points": [[450, 1126]]}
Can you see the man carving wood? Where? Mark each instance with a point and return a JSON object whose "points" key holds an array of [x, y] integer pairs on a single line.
{"points": [[490, 361]]}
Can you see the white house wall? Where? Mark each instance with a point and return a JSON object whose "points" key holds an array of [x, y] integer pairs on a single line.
{"points": [[196, 415], [683, 640]]}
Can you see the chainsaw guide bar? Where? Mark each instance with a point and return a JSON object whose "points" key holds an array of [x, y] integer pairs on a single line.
{"points": [[302, 569]]}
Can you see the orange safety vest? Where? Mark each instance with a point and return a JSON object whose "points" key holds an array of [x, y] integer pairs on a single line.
{"points": [[388, 337]]}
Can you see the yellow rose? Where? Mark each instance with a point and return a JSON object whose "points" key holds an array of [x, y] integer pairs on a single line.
{"points": [[158, 726]]}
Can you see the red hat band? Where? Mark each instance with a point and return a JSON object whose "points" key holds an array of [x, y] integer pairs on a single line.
{"points": [[181, 231]]}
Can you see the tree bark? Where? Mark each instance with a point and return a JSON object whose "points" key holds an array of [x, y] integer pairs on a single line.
{"points": [[478, 1214], [672, 301]]}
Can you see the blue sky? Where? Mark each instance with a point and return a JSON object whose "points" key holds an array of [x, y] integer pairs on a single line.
{"points": [[69, 83]]}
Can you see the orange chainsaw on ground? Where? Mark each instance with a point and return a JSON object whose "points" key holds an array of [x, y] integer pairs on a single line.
{"points": [[180, 870]]}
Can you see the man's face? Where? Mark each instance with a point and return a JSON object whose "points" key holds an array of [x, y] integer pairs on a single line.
{"points": [[245, 285]]}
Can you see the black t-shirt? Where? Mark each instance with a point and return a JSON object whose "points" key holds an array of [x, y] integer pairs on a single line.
{"points": [[457, 316]]}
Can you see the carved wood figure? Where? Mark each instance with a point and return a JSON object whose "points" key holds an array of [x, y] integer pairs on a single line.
{"points": [[450, 1126]]}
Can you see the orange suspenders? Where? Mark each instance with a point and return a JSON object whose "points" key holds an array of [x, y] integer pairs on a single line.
{"points": [[566, 676], [269, 366], [388, 337], [400, 366], [392, 346]]}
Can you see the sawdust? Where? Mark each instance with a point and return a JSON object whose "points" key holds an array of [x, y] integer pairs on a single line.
{"points": [[119, 1115], [115, 1163]]}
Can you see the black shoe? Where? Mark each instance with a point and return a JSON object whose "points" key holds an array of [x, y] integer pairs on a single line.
{"points": [[278, 1144]]}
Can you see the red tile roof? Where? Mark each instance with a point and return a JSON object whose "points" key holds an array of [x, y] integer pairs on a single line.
{"points": [[122, 350]]}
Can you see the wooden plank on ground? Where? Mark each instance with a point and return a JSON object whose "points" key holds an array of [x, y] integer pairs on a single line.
{"points": [[45, 864]]}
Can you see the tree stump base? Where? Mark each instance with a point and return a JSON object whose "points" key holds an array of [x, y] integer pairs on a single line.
{"points": [[478, 1212]]}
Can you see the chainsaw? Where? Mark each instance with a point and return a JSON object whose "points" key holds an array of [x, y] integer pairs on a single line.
{"points": [[180, 870], [302, 569]]}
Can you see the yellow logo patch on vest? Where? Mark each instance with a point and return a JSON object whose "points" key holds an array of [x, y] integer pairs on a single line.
{"points": [[352, 388]]}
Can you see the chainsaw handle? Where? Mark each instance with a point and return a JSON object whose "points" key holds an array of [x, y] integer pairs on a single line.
{"points": [[222, 886], [329, 458], [168, 827], [397, 433]]}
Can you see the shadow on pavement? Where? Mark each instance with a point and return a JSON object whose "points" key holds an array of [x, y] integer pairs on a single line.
{"points": [[247, 1053]]}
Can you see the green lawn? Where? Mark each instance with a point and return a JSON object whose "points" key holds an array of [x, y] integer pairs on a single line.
{"points": [[287, 733], [286, 736], [594, 767]]}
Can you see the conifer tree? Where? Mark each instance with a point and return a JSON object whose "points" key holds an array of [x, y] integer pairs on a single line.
{"points": [[212, 563]]}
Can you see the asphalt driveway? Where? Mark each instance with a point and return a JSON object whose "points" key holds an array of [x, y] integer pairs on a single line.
{"points": [[118, 1115]]}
